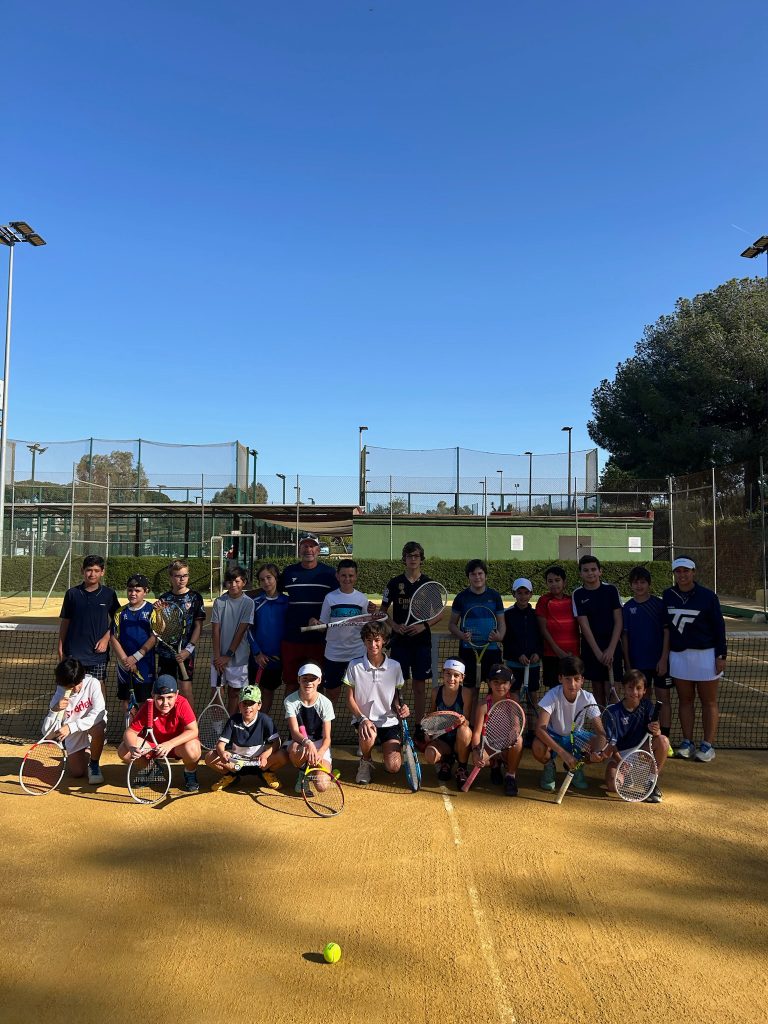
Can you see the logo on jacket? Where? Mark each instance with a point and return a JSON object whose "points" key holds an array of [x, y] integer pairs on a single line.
{"points": [[681, 618]]}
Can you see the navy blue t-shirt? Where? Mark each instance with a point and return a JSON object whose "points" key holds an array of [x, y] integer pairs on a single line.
{"points": [[644, 624], [90, 614], [598, 606], [306, 590], [398, 593]]}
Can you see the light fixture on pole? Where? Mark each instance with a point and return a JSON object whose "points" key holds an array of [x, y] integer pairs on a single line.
{"points": [[35, 449], [530, 478], [361, 466], [255, 454], [757, 248], [569, 429], [281, 476], [10, 235]]}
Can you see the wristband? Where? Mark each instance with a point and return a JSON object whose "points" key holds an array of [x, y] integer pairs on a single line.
{"points": [[138, 655], [190, 648]]}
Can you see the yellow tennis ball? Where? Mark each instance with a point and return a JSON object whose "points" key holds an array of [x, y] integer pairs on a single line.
{"points": [[332, 953]]}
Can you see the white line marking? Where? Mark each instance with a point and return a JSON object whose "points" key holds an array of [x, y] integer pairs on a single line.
{"points": [[481, 921]]}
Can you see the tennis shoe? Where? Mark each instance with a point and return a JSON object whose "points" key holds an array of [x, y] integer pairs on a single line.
{"points": [[655, 797], [270, 779], [497, 776], [686, 750], [510, 785], [579, 781], [223, 782], [191, 785], [444, 772], [461, 776], [547, 780], [95, 778], [298, 784], [364, 772], [706, 752]]}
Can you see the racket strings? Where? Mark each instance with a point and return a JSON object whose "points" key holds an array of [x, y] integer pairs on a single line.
{"points": [[439, 722], [42, 768], [322, 792], [636, 776], [505, 722], [150, 781], [428, 601], [479, 626], [211, 724], [168, 624]]}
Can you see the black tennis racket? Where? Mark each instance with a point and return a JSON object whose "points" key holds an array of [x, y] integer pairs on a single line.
{"points": [[170, 626]]}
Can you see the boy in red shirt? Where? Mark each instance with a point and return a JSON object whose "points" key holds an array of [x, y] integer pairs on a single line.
{"points": [[174, 726], [557, 623]]}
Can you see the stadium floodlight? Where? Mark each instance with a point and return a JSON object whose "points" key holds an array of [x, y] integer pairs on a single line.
{"points": [[569, 429], [758, 247], [10, 234], [281, 476]]}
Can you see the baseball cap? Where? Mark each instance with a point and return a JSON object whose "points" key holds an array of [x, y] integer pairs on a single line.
{"points": [[522, 582], [165, 684], [309, 540], [500, 672], [310, 669], [455, 665], [250, 692], [683, 563]]}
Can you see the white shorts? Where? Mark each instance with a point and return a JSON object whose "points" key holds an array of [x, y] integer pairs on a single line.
{"points": [[82, 740], [694, 666], [235, 676], [326, 758]]}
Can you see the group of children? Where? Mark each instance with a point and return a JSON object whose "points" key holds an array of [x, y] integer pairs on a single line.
{"points": [[565, 641]]}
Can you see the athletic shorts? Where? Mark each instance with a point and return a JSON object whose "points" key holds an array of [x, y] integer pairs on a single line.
{"points": [[97, 671], [82, 740], [294, 656], [333, 674], [384, 733], [595, 671], [693, 665], [489, 659], [550, 671], [518, 671], [271, 675], [658, 682], [326, 759], [170, 667], [564, 741], [415, 660], [141, 691], [234, 676]]}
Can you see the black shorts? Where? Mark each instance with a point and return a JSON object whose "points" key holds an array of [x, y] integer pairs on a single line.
{"points": [[550, 670], [271, 675], [415, 660], [518, 671], [333, 674], [170, 667], [468, 656], [97, 671], [141, 691], [658, 682], [596, 672], [384, 733]]}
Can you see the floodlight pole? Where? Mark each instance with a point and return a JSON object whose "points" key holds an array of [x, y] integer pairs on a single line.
{"points": [[362, 469], [530, 478], [10, 235], [758, 248], [569, 430], [281, 476]]}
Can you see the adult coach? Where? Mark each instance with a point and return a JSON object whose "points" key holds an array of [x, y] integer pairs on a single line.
{"points": [[697, 653], [85, 622], [305, 584]]}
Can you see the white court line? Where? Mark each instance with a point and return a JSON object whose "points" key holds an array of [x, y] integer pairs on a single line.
{"points": [[481, 922]]}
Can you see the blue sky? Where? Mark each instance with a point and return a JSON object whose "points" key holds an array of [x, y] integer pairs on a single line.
{"points": [[446, 221]]}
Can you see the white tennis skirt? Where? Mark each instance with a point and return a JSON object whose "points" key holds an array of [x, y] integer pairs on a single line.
{"points": [[695, 666]]}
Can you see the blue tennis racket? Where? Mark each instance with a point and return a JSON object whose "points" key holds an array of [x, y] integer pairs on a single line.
{"points": [[410, 759]]}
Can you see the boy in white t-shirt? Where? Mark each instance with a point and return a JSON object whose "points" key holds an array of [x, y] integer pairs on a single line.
{"points": [[85, 717], [558, 709], [342, 643], [231, 616]]}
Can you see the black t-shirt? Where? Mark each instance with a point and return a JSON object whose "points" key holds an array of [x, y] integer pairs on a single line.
{"points": [[598, 606], [90, 614], [306, 590], [398, 593]]}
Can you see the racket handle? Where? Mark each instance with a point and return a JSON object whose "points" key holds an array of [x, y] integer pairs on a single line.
{"points": [[565, 786], [471, 778], [311, 629]]}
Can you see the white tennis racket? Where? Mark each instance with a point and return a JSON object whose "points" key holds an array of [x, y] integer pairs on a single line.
{"points": [[213, 718], [44, 764], [427, 602], [637, 772], [149, 773]]}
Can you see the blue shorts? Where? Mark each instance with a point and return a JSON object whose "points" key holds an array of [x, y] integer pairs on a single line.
{"points": [[415, 660], [565, 741]]}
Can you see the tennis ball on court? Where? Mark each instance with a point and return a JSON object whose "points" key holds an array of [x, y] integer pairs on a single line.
{"points": [[332, 953]]}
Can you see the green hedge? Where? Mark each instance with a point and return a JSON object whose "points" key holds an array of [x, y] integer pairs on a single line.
{"points": [[374, 573]]}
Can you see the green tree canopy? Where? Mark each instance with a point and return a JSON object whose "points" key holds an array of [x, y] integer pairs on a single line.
{"points": [[228, 495], [118, 466], [696, 390]]}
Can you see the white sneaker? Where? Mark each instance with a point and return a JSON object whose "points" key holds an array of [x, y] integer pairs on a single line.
{"points": [[686, 750], [364, 772], [706, 752]]}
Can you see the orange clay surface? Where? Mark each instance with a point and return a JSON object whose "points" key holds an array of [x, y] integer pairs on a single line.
{"points": [[448, 907]]}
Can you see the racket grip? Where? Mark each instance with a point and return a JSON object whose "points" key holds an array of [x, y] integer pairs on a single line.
{"points": [[565, 786], [183, 671], [311, 629], [471, 778]]}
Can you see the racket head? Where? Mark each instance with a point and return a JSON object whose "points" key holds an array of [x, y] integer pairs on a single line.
{"points": [[410, 759], [210, 725], [479, 622], [168, 624], [322, 793], [42, 768], [149, 780], [427, 601], [594, 729], [636, 776], [439, 723], [504, 725]]}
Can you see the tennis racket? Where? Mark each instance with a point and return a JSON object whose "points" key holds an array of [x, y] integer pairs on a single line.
{"points": [[440, 723], [212, 719], [427, 601], [477, 625], [149, 775], [503, 726], [322, 792], [132, 706], [612, 683], [637, 771], [352, 620], [410, 758], [590, 733], [44, 764], [169, 626]]}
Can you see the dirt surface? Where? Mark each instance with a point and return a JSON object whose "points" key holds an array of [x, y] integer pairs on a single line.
{"points": [[447, 906]]}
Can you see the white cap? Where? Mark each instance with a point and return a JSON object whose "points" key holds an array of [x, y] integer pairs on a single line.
{"points": [[455, 665], [522, 582], [309, 540], [683, 563], [310, 669]]}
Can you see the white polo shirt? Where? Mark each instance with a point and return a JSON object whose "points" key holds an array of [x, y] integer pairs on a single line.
{"points": [[375, 688]]}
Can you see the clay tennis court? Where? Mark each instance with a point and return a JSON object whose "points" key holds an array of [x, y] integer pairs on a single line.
{"points": [[447, 906]]}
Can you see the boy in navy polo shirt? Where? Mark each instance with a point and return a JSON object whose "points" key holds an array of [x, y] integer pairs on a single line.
{"points": [[85, 624], [597, 606], [645, 640], [134, 643], [478, 593]]}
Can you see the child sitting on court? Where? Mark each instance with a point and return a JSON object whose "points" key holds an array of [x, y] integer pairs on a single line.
{"points": [[500, 686], [558, 709], [308, 716], [134, 643], [453, 745], [175, 728], [630, 721], [373, 695], [85, 719], [251, 734]]}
